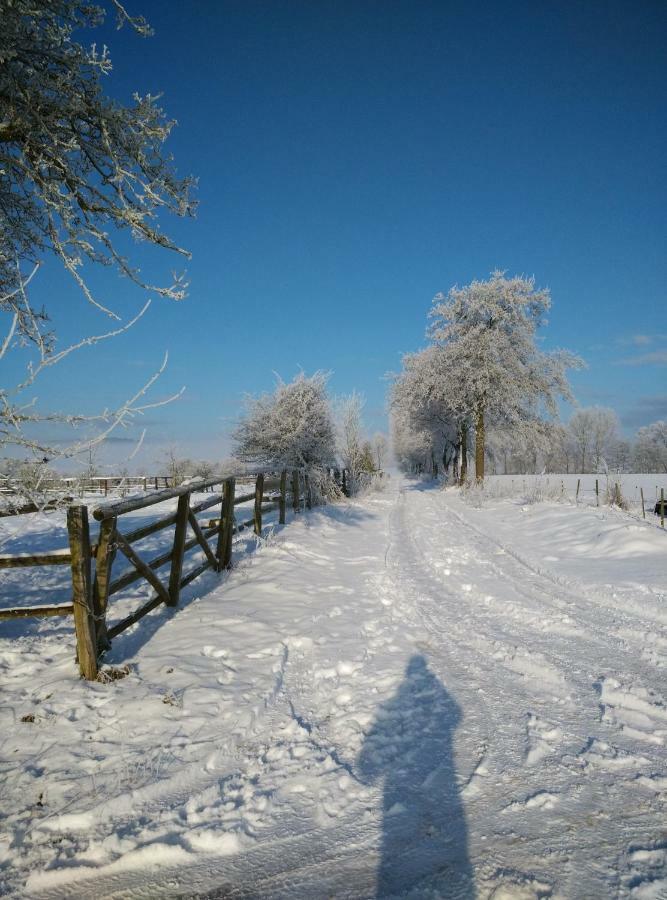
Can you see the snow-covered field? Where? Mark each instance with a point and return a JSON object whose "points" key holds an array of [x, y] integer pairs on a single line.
{"points": [[403, 694], [564, 487]]}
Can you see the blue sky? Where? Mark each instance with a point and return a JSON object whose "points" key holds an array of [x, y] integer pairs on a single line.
{"points": [[354, 159]]}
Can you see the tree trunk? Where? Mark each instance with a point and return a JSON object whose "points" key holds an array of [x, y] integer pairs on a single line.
{"points": [[479, 444], [464, 454]]}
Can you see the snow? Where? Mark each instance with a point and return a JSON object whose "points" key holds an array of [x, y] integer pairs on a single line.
{"points": [[403, 694]]}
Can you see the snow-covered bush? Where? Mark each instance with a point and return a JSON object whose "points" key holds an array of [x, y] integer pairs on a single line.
{"points": [[179, 469], [323, 488], [614, 494], [289, 428], [29, 481]]}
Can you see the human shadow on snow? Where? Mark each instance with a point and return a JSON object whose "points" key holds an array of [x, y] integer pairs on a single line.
{"points": [[424, 837]]}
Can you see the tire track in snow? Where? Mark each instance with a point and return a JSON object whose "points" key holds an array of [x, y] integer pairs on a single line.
{"points": [[596, 599], [557, 760], [538, 616]]}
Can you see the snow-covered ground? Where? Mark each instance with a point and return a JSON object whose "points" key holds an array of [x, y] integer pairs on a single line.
{"points": [[564, 487], [404, 694]]}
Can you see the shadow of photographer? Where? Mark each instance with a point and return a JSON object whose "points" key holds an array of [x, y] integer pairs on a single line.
{"points": [[424, 839]]}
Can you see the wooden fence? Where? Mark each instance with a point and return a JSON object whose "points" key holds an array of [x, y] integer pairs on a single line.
{"points": [[92, 589], [59, 488]]}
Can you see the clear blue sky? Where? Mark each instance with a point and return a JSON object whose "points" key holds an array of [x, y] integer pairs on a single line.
{"points": [[354, 158]]}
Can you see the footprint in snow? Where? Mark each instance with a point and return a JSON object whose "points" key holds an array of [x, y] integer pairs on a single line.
{"points": [[542, 800], [541, 739]]}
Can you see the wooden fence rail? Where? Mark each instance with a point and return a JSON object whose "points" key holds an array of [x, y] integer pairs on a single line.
{"points": [[91, 564]]}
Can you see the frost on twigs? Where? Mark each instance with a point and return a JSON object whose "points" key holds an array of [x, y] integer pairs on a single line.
{"points": [[78, 168], [28, 453], [323, 487]]}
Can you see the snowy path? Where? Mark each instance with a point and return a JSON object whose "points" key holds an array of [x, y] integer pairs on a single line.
{"points": [[558, 707], [394, 697]]}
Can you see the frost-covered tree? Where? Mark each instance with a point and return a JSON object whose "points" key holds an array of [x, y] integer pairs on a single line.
{"points": [[605, 434], [619, 455], [290, 427], [487, 329], [204, 469], [412, 449], [230, 465], [423, 398], [354, 449], [650, 453], [177, 468], [30, 479], [594, 431], [581, 429], [380, 445], [350, 427], [77, 168], [560, 454], [368, 465], [79, 173], [532, 446]]}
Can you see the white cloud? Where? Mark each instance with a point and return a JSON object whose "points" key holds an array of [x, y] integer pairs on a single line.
{"points": [[641, 340], [655, 358]]}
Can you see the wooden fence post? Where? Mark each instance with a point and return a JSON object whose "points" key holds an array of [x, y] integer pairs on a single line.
{"points": [[283, 497], [295, 490], [84, 622], [106, 553], [597, 493], [179, 549], [226, 528], [576, 498], [259, 494], [641, 491], [309, 496]]}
